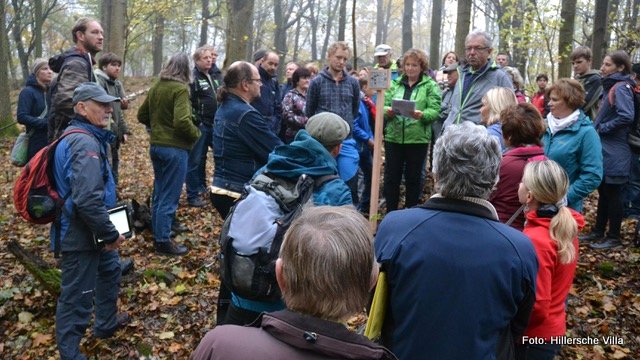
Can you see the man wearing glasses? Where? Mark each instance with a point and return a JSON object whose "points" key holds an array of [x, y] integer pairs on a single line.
{"points": [[476, 78]]}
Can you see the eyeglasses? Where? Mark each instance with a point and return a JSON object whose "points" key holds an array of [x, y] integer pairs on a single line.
{"points": [[256, 80], [476, 48]]}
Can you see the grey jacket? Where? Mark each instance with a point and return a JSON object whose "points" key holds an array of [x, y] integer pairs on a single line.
{"points": [[468, 109], [114, 87]]}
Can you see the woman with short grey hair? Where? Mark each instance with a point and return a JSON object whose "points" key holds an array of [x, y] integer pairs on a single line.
{"points": [[466, 160]]}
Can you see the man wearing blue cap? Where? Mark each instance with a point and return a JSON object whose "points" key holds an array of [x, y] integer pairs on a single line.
{"points": [[86, 238]]}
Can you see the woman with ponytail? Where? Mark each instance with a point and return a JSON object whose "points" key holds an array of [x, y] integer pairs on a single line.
{"points": [[553, 228]]}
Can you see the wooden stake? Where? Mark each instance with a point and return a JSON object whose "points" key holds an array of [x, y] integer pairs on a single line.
{"points": [[377, 162]]}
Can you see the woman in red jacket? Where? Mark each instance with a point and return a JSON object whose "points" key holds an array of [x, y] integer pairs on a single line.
{"points": [[553, 228]]}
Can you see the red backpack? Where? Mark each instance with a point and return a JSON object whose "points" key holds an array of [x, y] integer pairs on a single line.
{"points": [[34, 193]]}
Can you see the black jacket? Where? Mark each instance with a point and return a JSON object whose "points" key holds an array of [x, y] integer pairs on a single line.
{"points": [[203, 97]]}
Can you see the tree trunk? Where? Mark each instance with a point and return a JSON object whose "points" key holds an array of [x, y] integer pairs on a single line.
{"points": [[313, 21], [380, 22], [37, 29], [436, 25], [239, 34], [280, 35], [407, 26], [5, 101], [520, 49], [599, 42], [158, 37], [204, 24], [565, 37], [353, 35], [23, 56], [49, 277], [330, 16], [462, 24], [342, 20]]}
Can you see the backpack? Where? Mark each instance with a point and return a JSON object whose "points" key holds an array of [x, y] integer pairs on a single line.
{"points": [[633, 138], [253, 231], [34, 194]]}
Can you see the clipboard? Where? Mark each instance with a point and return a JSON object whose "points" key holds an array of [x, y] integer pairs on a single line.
{"points": [[119, 216]]}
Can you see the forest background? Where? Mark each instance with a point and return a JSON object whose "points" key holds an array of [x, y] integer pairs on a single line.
{"points": [[173, 302]]}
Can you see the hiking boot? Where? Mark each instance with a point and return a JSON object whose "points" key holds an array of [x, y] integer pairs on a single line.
{"points": [[591, 237], [179, 228], [122, 320], [170, 248], [608, 243], [126, 265], [197, 202]]}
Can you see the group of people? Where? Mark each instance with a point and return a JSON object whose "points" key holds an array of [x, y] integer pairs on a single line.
{"points": [[502, 225]]}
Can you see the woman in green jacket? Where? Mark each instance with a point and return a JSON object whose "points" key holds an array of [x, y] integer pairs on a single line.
{"points": [[407, 137]]}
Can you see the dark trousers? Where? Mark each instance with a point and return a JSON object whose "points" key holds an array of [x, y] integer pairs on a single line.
{"points": [[610, 209], [90, 279], [223, 204], [410, 159], [537, 352], [366, 165], [196, 168], [632, 190]]}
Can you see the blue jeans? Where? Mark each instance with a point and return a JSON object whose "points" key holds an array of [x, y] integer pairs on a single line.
{"points": [[170, 170], [87, 277], [196, 176]]}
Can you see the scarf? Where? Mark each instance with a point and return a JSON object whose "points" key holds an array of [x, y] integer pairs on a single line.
{"points": [[556, 124]]}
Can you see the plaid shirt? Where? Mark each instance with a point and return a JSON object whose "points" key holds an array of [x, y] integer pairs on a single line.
{"points": [[341, 98]]}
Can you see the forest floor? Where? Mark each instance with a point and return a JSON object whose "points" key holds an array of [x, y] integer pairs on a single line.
{"points": [[172, 300]]}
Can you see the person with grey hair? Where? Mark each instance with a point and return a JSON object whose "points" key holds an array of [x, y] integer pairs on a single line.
{"points": [[167, 110], [518, 83], [471, 278], [478, 76], [326, 269]]}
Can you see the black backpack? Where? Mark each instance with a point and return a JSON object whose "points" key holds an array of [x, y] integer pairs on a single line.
{"points": [[253, 231]]}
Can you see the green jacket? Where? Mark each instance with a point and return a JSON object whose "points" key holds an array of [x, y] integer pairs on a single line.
{"points": [[406, 130], [167, 110]]}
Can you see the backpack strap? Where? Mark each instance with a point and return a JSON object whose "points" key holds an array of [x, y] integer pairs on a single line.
{"points": [[320, 181]]}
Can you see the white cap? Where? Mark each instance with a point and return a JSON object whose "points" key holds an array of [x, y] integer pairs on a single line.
{"points": [[382, 50]]}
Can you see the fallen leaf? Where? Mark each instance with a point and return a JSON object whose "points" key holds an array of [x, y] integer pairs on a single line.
{"points": [[175, 347], [25, 317], [618, 354], [166, 335], [41, 339]]}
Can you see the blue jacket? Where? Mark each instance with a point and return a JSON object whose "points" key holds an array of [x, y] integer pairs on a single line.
{"points": [[270, 102], [362, 131], [305, 155], [461, 285], [81, 166], [242, 142], [32, 103], [577, 149], [613, 124]]}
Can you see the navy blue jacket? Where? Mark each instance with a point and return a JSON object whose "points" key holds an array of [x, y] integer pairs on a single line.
{"points": [[32, 103], [461, 284], [613, 124], [82, 168], [270, 102], [242, 142]]}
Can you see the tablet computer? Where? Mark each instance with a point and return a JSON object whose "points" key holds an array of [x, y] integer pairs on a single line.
{"points": [[120, 218]]}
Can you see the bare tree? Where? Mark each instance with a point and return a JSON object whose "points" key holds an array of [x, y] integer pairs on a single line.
{"points": [[113, 18], [407, 26], [353, 35], [158, 37], [599, 40], [380, 22], [436, 25], [565, 36], [5, 102], [239, 34], [342, 20], [463, 23]]}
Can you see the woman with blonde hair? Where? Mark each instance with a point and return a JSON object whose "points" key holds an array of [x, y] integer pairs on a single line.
{"points": [[553, 228], [493, 102]]}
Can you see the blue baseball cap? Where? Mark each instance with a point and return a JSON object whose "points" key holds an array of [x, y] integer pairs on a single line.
{"points": [[92, 91]]}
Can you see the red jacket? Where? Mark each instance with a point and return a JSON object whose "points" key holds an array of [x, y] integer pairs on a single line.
{"points": [[554, 279], [505, 197], [538, 101]]}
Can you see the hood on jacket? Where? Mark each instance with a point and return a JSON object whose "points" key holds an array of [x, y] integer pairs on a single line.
{"points": [[325, 73], [328, 338], [609, 81], [101, 74], [103, 135], [527, 152], [33, 82], [534, 220], [305, 155], [56, 62]]}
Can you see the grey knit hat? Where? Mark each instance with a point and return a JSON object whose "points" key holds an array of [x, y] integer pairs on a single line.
{"points": [[328, 128], [38, 64]]}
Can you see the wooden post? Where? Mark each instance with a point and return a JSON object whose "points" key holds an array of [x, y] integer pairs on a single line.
{"points": [[380, 80]]}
